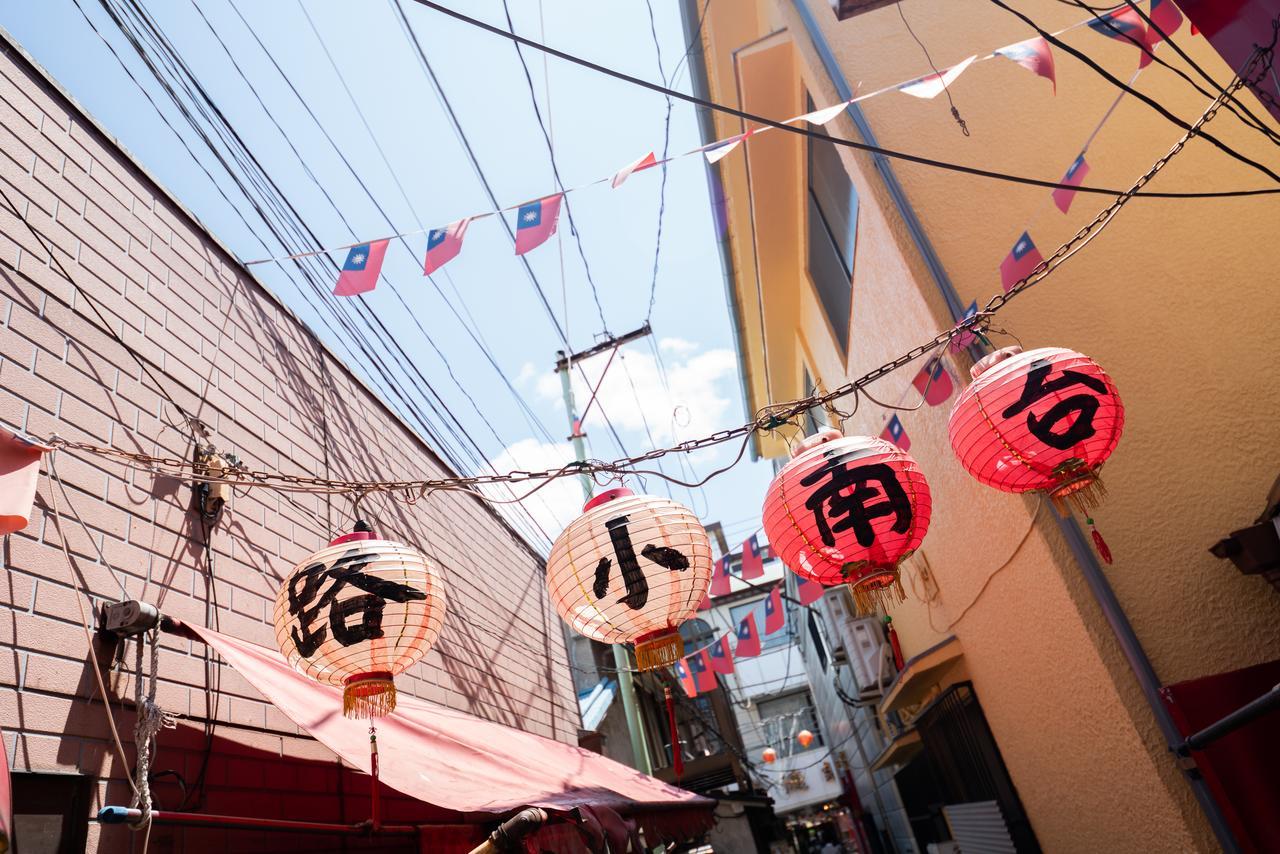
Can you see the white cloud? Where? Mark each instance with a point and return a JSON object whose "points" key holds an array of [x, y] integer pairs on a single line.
{"points": [[553, 506], [677, 346], [527, 371]]}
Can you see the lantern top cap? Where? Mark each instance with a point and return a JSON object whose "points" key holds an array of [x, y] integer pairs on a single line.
{"points": [[361, 531], [606, 496], [826, 434], [990, 360]]}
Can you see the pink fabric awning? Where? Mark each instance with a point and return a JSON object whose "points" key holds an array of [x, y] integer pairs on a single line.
{"points": [[460, 762]]}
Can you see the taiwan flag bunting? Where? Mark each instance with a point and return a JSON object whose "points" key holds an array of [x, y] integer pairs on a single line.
{"points": [[444, 244], [1033, 55], [686, 678], [752, 558], [934, 382], [1127, 26], [748, 637], [965, 338], [897, 434], [1165, 18], [360, 270], [720, 577], [536, 221], [625, 172], [825, 115], [703, 678], [1022, 259], [1062, 196], [808, 591], [717, 151], [933, 85], [774, 617], [705, 604], [721, 656]]}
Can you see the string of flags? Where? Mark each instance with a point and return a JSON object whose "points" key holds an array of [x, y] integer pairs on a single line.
{"points": [[1123, 24], [536, 221]]}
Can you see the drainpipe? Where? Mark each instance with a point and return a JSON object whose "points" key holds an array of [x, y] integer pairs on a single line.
{"points": [[1090, 569]]}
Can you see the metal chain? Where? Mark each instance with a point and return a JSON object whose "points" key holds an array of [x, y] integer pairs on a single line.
{"points": [[767, 419]]}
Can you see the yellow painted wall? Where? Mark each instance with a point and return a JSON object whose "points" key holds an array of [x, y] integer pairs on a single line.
{"points": [[1177, 299]]}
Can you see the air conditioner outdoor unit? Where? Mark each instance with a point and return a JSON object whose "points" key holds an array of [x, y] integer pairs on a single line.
{"points": [[869, 655]]}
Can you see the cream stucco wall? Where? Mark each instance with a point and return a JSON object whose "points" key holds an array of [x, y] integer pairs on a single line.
{"points": [[1174, 299]]}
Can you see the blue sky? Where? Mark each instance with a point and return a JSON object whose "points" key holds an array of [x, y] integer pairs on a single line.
{"points": [[598, 124]]}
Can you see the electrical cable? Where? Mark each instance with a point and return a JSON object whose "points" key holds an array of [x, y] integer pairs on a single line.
{"points": [[806, 131]]}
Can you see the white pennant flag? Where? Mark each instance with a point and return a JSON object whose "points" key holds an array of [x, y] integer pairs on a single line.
{"points": [[934, 84], [826, 114], [719, 150], [625, 172]]}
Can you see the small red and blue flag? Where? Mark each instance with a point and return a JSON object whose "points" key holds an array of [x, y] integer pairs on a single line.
{"points": [[625, 172], [720, 577], [536, 221], [444, 244], [752, 558], [721, 656], [809, 591], [686, 678], [705, 604], [1075, 176], [1127, 26], [360, 270], [966, 337], [1165, 18], [934, 382], [774, 617], [897, 434], [748, 637], [1033, 55], [703, 677], [1022, 259]]}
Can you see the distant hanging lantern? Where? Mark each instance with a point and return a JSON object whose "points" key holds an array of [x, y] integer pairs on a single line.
{"points": [[848, 509], [358, 613], [804, 737], [631, 569], [769, 755], [1044, 420]]}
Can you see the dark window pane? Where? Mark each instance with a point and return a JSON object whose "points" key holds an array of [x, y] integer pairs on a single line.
{"points": [[832, 233]]}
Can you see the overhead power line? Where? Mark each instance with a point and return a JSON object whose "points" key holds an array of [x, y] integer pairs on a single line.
{"points": [[848, 143]]}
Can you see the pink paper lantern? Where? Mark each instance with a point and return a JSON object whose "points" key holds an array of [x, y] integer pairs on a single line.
{"points": [[848, 509], [1040, 421], [631, 569]]}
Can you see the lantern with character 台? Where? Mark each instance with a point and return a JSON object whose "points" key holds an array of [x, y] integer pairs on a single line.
{"points": [[631, 569], [1044, 420], [848, 509], [356, 614]]}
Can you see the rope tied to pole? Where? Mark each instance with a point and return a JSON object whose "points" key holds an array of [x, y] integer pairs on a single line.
{"points": [[151, 719]]}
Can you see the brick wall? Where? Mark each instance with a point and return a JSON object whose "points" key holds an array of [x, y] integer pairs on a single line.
{"points": [[231, 354]]}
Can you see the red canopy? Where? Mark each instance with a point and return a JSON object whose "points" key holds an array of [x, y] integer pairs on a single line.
{"points": [[461, 762]]}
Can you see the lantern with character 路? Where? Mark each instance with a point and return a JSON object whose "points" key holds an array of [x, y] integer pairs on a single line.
{"points": [[356, 614]]}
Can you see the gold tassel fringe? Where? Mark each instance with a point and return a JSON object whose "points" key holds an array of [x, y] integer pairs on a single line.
{"points": [[1081, 489], [878, 591], [369, 697], [661, 651]]}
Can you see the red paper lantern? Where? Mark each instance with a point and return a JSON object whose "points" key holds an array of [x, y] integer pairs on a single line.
{"points": [[356, 614], [848, 509], [804, 737], [769, 755], [631, 569], [1044, 420]]}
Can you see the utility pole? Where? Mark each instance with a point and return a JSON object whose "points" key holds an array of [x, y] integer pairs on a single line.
{"points": [[621, 658]]}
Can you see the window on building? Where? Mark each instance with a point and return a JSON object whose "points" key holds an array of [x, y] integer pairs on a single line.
{"points": [[815, 635], [782, 718], [833, 233], [815, 416], [778, 639]]}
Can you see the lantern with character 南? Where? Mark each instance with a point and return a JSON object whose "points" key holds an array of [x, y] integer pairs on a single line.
{"points": [[356, 614], [848, 509], [631, 569]]}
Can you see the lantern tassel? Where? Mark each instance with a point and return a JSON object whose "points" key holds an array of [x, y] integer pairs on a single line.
{"points": [[1081, 488], [658, 649], [369, 695], [878, 591], [1104, 551]]}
